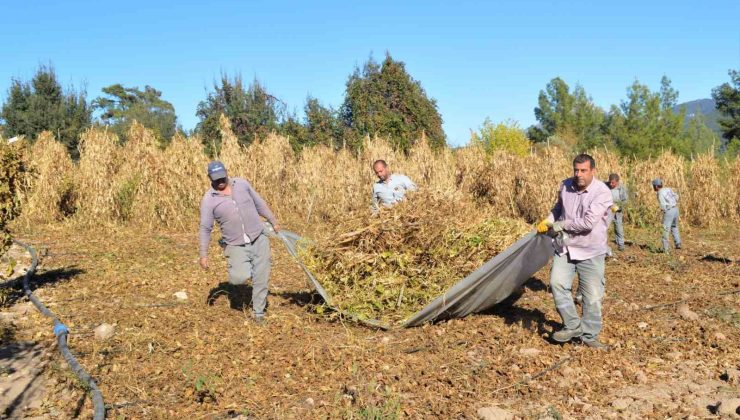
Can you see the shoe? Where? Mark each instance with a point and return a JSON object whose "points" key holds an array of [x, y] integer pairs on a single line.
{"points": [[678, 246], [596, 345], [621, 248], [259, 320], [565, 335]]}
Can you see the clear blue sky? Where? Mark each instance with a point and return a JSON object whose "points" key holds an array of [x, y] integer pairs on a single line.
{"points": [[477, 59]]}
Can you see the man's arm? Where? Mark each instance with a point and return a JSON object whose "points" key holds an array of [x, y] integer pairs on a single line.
{"points": [[593, 214], [262, 208], [409, 184], [623, 194], [206, 226]]}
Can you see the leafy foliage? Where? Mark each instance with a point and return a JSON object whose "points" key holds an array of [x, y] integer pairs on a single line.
{"points": [[727, 97], [123, 106], [570, 118], [506, 136], [384, 99], [645, 123], [42, 104], [253, 112]]}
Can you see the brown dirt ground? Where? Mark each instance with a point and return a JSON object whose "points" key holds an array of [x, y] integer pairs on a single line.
{"points": [[201, 359]]}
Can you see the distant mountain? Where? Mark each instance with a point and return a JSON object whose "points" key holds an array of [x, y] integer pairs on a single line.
{"points": [[704, 106]]}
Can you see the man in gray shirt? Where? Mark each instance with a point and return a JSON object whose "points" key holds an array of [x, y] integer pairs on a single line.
{"points": [[668, 201], [390, 188], [236, 207], [616, 215]]}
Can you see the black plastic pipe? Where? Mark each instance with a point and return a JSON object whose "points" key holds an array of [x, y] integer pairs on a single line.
{"points": [[61, 332]]}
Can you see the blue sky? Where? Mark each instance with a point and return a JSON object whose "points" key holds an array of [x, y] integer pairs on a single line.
{"points": [[477, 59]]}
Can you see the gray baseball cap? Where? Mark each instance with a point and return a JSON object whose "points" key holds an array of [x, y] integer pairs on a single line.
{"points": [[657, 182], [216, 170]]}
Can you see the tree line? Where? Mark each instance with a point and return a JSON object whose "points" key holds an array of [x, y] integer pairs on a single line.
{"points": [[380, 98]]}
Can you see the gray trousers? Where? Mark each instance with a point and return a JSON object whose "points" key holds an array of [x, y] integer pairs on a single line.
{"points": [[591, 284], [670, 223], [617, 218], [251, 261]]}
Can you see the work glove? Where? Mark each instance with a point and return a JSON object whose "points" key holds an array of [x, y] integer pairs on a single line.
{"points": [[615, 208], [557, 227], [543, 226]]}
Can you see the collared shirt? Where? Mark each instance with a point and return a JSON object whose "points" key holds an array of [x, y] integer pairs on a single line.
{"points": [[619, 195], [393, 191], [584, 217], [238, 215], [667, 198]]}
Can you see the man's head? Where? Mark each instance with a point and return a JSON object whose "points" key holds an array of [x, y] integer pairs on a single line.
{"points": [[584, 168], [217, 175], [657, 184], [381, 170], [613, 181]]}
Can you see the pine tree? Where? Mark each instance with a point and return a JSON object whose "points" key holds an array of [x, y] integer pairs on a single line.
{"points": [[384, 99]]}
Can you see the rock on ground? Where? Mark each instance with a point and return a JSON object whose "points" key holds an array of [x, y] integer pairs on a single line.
{"points": [[104, 332]]}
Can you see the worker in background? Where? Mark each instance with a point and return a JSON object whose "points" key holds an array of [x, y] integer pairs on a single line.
{"points": [[390, 188], [616, 215], [668, 201]]}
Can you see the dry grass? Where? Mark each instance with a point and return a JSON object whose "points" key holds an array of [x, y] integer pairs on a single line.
{"points": [[142, 184]]}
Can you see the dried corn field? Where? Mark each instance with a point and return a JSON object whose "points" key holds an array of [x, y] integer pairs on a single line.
{"points": [[139, 183], [117, 232]]}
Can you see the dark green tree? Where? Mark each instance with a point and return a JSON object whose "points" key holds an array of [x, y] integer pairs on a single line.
{"points": [[645, 123], [122, 106], [727, 98], [384, 99], [569, 118], [253, 112], [698, 137], [42, 104], [295, 131], [323, 124]]}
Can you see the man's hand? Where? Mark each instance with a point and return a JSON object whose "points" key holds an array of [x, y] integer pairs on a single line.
{"points": [[557, 227], [203, 261], [543, 226], [276, 227]]}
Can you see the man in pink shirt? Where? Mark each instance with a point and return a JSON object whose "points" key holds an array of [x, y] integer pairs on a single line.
{"points": [[579, 224]]}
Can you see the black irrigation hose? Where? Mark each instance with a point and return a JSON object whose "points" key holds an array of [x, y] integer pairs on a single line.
{"points": [[61, 332]]}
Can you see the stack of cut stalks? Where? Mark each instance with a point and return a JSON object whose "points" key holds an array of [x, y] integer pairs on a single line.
{"points": [[387, 266], [12, 171]]}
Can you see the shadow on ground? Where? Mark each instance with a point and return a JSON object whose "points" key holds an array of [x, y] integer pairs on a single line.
{"points": [[531, 319], [239, 296], [12, 290]]}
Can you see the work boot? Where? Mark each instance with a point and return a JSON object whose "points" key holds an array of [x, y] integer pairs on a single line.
{"points": [[595, 344], [678, 246], [565, 335], [259, 320], [621, 248]]}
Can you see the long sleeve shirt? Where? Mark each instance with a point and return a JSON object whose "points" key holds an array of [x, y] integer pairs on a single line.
{"points": [[619, 195], [392, 191], [584, 216], [667, 198], [238, 215]]}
